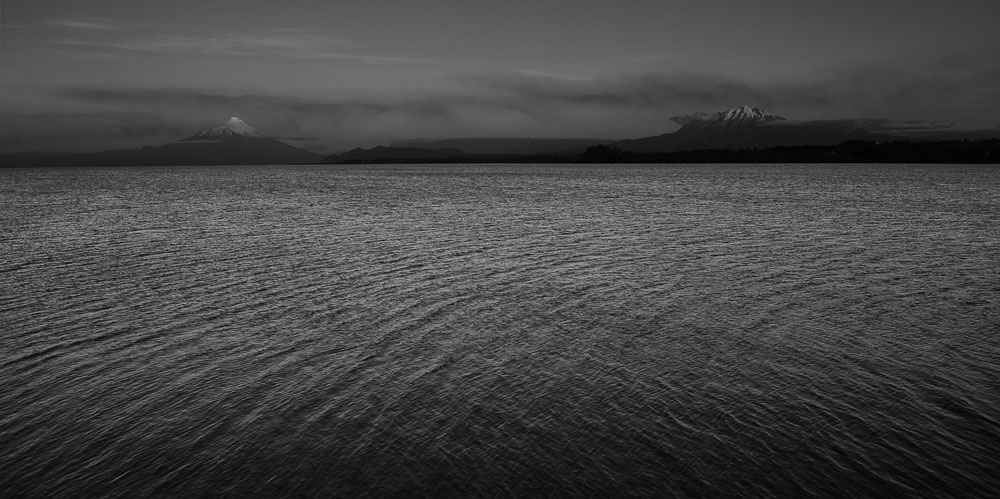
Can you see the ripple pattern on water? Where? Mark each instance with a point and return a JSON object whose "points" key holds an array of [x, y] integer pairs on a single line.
{"points": [[498, 331]]}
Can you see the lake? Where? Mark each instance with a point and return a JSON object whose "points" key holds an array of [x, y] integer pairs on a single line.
{"points": [[500, 331]]}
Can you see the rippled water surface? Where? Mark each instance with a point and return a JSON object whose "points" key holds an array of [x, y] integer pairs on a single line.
{"points": [[497, 331]]}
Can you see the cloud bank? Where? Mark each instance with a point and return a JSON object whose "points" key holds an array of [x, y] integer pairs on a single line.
{"points": [[895, 100]]}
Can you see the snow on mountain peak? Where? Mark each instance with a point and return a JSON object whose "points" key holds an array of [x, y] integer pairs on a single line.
{"points": [[737, 117], [235, 127], [746, 115]]}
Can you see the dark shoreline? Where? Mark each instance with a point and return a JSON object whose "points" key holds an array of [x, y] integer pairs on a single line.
{"points": [[937, 152], [969, 151]]}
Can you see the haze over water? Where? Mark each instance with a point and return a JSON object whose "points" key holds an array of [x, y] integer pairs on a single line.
{"points": [[500, 330]]}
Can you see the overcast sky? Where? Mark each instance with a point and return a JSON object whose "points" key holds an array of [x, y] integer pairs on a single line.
{"points": [[331, 75]]}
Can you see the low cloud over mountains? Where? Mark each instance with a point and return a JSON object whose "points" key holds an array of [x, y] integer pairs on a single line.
{"points": [[955, 93]]}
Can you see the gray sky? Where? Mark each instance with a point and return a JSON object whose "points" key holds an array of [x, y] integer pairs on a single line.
{"points": [[330, 75]]}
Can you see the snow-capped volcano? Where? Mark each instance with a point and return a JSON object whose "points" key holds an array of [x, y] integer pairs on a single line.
{"points": [[743, 127], [737, 118], [746, 115], [235, 127]]}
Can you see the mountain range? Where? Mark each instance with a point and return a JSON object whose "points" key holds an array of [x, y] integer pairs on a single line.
{"points": [[231, 143], [742, 128], [749, 128], [737, 129]]}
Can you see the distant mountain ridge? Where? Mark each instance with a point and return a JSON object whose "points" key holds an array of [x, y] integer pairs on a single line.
{"points": [[740, 134], [394, 154], [231, 143], [748, 127], [501, 145], [741, 131], [468, 149]]}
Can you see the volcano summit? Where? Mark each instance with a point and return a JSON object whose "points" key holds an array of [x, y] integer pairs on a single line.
{"points": [[235, 127]]}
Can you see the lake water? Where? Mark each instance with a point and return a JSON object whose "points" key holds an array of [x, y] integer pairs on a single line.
{"points": [[501, 331]]}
